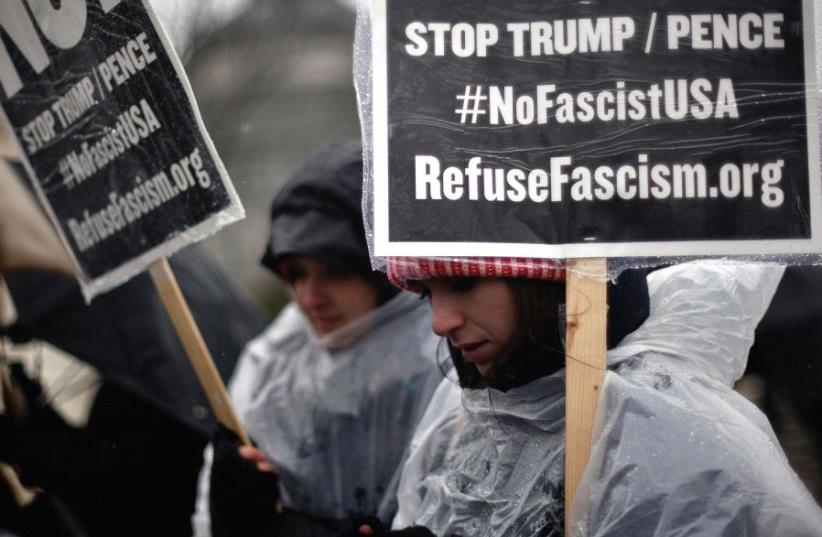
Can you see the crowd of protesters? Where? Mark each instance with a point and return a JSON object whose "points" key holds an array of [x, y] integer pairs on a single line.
{"points": [[422, 401]]}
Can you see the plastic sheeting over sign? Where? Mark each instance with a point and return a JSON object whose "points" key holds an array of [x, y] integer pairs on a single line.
{"points": [[590, 129], [109, 131]]}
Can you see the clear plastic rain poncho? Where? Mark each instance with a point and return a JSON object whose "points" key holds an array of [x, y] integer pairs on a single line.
{"points": [[335, 413], [676, 451]]}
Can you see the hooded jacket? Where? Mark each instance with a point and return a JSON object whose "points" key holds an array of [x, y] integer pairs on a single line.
{"points": [[675, 452], [335, 414], [318, 214]]}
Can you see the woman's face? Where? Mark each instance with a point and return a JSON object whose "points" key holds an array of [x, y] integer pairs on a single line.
{"points": [[329, 300], [477, 315]]}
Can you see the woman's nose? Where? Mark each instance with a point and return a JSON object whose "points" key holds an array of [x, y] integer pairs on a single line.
{"points": [[444, 318], [310, 293]]}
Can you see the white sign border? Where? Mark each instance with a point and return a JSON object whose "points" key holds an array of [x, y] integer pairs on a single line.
{"points": [[92, 287], [383, 247]]}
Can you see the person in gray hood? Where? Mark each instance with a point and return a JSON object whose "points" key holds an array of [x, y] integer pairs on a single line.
{"points": [[332, 390]]}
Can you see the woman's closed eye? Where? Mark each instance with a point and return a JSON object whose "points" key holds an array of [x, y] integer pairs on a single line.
{"points": [[291, 274]]}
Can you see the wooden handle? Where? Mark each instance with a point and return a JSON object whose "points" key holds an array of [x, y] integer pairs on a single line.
{"points": [[586, 315], [195, 347]]}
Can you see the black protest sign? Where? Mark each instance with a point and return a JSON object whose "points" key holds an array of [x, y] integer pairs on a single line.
{"points": [[572, 128], [108, 128]]}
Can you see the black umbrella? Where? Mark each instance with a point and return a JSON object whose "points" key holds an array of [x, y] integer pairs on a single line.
{"points": [[127, 335]]}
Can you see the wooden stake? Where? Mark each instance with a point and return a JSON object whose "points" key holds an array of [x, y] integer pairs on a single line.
{"points": [[195, 347], [586, 308]]}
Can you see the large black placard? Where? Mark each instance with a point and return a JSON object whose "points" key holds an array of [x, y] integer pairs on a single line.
{"points": [[606, 128], [110, 133]]}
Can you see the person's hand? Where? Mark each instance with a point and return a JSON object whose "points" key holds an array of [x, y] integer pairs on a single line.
{"points": [[243, 492], [255, 456], [362, 526], [373, 527], [370, 526]]}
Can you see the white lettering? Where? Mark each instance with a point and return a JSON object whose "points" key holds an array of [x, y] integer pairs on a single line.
{"points": [[63, 26]]}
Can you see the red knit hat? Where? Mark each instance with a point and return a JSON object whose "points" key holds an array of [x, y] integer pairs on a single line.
{"points": [[402, 269]]}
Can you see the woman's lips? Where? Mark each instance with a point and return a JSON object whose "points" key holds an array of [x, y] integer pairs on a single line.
{"points": [[326, 323], [473, 350]]}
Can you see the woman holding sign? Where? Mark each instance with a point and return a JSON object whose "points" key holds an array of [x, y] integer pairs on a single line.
{"points": [[332, 390], [676, 450]]}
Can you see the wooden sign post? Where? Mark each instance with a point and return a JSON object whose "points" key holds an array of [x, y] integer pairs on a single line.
{"points": [[196, 350], [586, 314], [198, 354]]}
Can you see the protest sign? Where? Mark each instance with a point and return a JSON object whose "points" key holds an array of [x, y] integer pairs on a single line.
{"points": [[108, 129], [574, 129], [577, 129]]}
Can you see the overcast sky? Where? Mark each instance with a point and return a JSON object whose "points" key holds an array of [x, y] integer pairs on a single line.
{"points": [[182, 17]]}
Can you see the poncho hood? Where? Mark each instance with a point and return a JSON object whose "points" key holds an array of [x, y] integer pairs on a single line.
{"points": [[540, 403]]}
